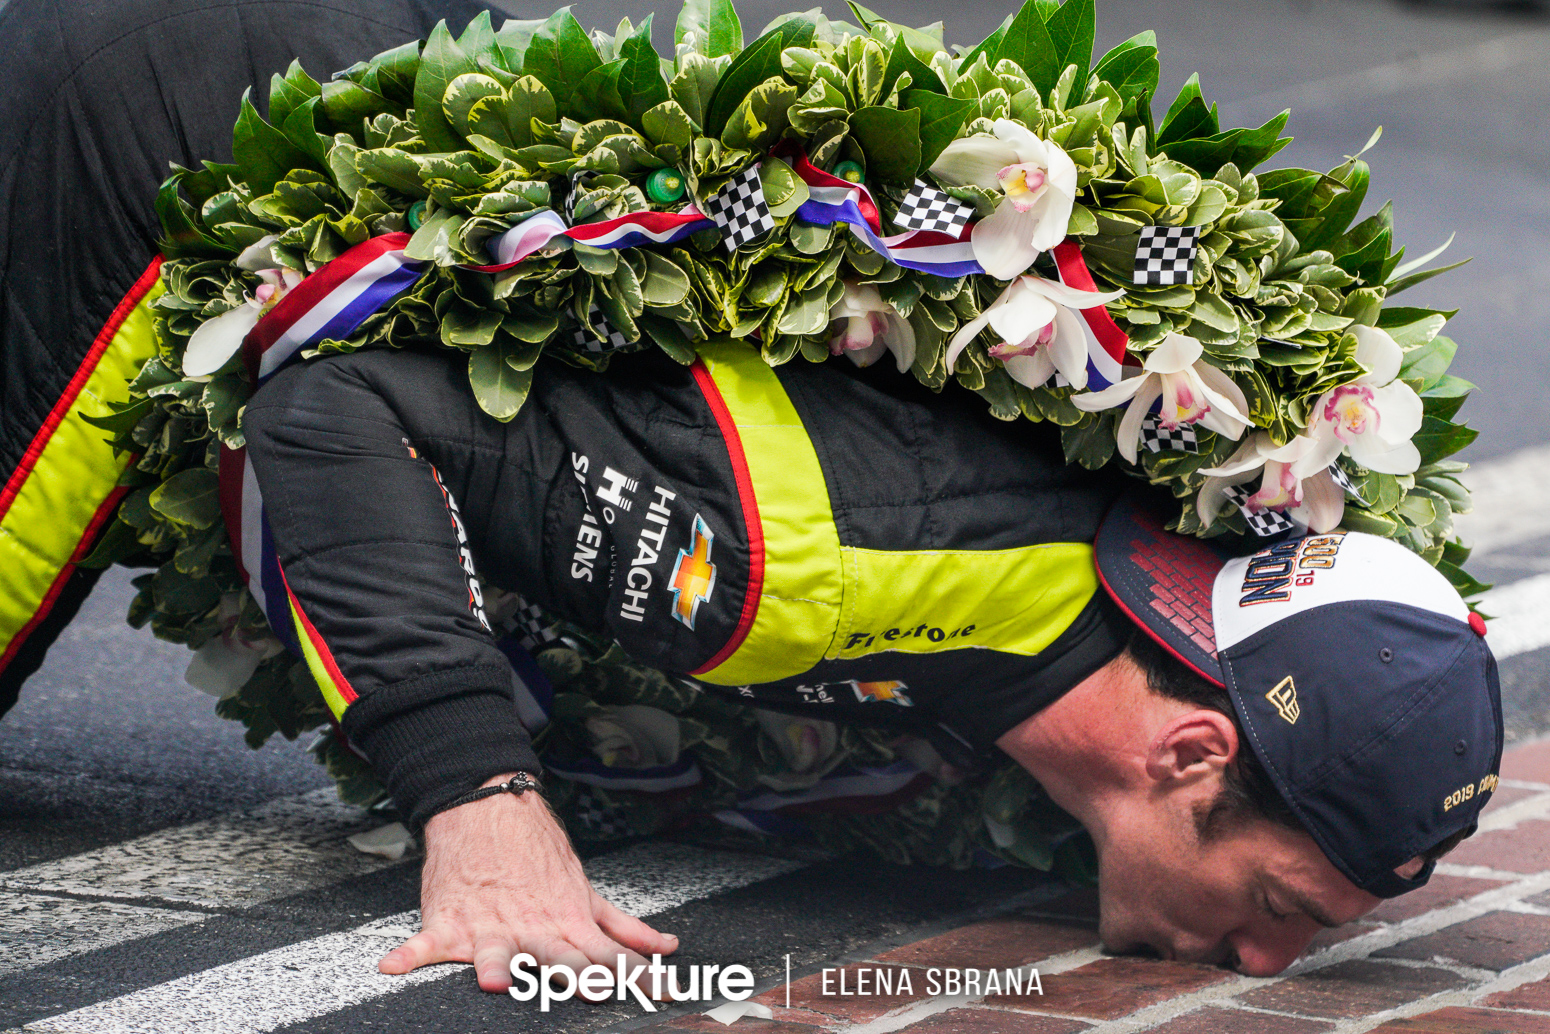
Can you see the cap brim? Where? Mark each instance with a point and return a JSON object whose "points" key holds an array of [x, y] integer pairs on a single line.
{"points": [[1161, 579]]}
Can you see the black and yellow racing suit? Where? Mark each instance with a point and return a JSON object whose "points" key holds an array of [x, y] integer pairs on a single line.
{"points": [[98, 99], [818, 538]]}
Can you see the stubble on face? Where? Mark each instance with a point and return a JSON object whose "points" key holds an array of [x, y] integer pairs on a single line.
{"points": [[1251, 897]]}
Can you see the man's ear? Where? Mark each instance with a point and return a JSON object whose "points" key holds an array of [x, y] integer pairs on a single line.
{"points": [[1191, 745]]}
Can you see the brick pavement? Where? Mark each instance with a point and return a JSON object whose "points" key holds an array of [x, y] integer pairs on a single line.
{"points": [[1469, 954]]}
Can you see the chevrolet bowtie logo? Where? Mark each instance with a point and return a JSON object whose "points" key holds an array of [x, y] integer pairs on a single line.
{"points": [[694, 576], [870, 691], [1284, 697]]}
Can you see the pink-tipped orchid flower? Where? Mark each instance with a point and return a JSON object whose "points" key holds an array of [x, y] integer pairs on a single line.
{"points": [[1037, 181], [1192, 392], [1373, 418], [865, 326], [1040, 331], [217, 340], [1314, 500]]}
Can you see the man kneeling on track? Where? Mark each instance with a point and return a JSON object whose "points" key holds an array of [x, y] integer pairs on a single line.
{"points": [[1259, 746]]}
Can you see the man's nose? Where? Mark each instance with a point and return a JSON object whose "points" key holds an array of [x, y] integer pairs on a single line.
{"points": [[1264, 953]]}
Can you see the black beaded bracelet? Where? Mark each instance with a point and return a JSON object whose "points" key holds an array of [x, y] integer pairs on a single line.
{"points": [[517, 784]]}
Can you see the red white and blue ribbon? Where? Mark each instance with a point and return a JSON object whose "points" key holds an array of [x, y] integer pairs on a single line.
{"points": [[848, 790], [252, 544], [835, 200], [1107, 344], [679, 775], [536, 232], [331, 303], [855, 790]]}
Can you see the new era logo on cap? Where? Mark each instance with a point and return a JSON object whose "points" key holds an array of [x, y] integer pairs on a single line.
{"points": [[927, 208], [1165, 255], [740, 210], [1284, 697]]}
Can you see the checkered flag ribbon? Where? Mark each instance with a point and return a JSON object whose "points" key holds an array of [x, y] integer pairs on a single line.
{"points": [[578, 183], [740, 211], [533, 629], [1165, 255], [584, 338], [1343, 479], [1263, 523], [1156, 437], [927, 208], [598, 817]]}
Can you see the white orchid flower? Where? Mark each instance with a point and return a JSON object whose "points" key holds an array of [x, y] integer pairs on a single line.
{"points": [[217, 340], [1374, 417], [871, 327], [1039, 328], [223, 665], [634, 736], [1192, 392], [1314, 500], [809, 746], [1038, 181], [392, 841], [256, 256]]}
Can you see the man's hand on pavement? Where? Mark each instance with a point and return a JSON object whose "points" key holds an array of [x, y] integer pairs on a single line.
{"points": [[500, 878]]}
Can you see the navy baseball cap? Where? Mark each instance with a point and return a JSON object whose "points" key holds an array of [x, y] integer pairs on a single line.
{"points": [[1361, 679]]}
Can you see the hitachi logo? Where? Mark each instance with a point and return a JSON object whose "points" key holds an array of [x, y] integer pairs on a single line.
{"points": [[648, 549]]}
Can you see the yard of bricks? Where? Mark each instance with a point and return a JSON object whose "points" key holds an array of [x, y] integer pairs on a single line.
{"points": [[1467, 954]]}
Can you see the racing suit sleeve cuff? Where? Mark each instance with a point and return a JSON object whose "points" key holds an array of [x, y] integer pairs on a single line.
{"points": [[434, 738]]}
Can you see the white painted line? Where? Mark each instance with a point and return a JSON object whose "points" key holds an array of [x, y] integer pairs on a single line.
{"points": [[1507, 816], [1511, 506], [1520, 616], [36, 930], [650, 878], [1512, 501], [280, 848], [301, 981]]}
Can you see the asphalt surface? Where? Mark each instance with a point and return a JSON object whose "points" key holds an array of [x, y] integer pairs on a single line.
{"points": [[108, 743]]}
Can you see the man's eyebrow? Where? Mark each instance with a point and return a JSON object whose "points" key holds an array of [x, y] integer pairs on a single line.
{"points": [[1310, 908]]}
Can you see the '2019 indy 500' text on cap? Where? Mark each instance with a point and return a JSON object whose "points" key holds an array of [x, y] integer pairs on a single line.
{"points": [[1360, 677]]}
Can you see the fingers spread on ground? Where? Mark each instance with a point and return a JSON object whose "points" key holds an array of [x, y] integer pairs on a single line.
{"points": [[492, 962], [605, 952], [427, 946], [559, 952], [629, 931], [569, 962]]}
